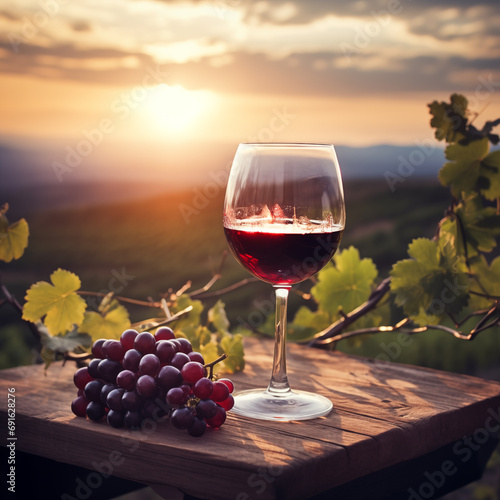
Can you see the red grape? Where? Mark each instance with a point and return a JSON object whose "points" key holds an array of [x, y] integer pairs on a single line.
{"points": [[169, 377], [228, 403], [114, 399], [218, 419], [79, 406], [164, 333], [131, 360], [92, 391], [206, 408], [113, 349], [203, 388], [145, 343], [97, 348], [115, 418], [126, 379], [106, 389], [229, 384], [108, 370], [131, 400], [95, 411], [220, 392], [185, 345], [176, 397], [192, 371], [179, 360], [133, 419], [146, 386], [196, 356], [149, 365], [92, 367], [165, 350], [182, 418], [198, 427], [127, 338], [82, 377]]}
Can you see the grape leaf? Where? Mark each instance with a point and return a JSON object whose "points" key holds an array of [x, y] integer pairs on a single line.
{"points": [[479, 225], [58, 302], [108, 325], [307, 323], [345, 285], [490, 169], [191, 318], [431, 284], [487, 282], [13, 237], [209, 352], [198, 335], [53, 344], [233, 347], [464, 169], [218, 318], [449, 119]]}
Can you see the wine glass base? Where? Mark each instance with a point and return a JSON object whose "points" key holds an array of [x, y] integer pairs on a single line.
{"points": [[292, 405]]}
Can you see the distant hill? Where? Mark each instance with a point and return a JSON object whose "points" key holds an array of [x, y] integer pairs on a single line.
{"points": [[28, 181]]}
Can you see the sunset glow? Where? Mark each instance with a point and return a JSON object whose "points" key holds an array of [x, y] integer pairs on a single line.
{"points": [[224, 72]]}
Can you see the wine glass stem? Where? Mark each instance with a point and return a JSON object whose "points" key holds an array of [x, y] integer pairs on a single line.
{"points": [[279, 380]]}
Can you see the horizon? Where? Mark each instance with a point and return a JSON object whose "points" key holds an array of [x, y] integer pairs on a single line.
{"points": [[153, 85]]}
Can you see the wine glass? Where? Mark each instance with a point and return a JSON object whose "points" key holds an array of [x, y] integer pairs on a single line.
{"points": [[284, 217]]}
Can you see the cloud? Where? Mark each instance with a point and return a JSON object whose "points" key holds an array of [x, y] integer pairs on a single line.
{"points": [[285, 47]]}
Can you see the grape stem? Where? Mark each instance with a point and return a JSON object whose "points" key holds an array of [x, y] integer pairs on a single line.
{"points": [[211, 365]]}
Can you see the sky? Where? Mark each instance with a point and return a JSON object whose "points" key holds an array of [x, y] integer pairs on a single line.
{"points": [[140, 80]]}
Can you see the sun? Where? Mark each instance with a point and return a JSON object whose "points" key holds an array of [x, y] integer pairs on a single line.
{"points": [[175, 108]]}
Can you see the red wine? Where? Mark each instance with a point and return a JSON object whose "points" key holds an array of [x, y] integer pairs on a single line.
{"points": [[282, 254]]}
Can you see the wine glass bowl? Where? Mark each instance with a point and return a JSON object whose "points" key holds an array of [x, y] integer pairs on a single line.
{"points": [[284, 216]]}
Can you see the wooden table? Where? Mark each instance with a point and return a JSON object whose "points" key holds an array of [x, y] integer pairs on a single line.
{"points": [[395, 432]]}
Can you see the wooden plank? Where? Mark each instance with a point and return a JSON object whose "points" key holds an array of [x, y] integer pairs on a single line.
{"points": [[383, 414]]}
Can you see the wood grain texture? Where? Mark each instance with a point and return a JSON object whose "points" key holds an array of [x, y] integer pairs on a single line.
{"points": [[383, 414]]}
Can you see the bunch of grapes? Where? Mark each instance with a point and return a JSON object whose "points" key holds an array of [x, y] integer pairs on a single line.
{"points": [[151, 376]]}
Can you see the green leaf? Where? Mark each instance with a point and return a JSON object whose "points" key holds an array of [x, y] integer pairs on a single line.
{"points": [[209, 352], [464, 169], [347, 285], [109, 324], [13, 237], [490, 169], [53, 344], [449, 119], [233, 347], [307, 323], [58, 302], [487, 281], [431, 284], [193, 318], [477, 225], [218, 318]]}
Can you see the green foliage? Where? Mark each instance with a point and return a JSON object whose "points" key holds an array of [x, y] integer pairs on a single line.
{"points": [[58, 302], [13, 237], [431, 284], [341, 286], [108, 322], [66, 326], [449, 119]]}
